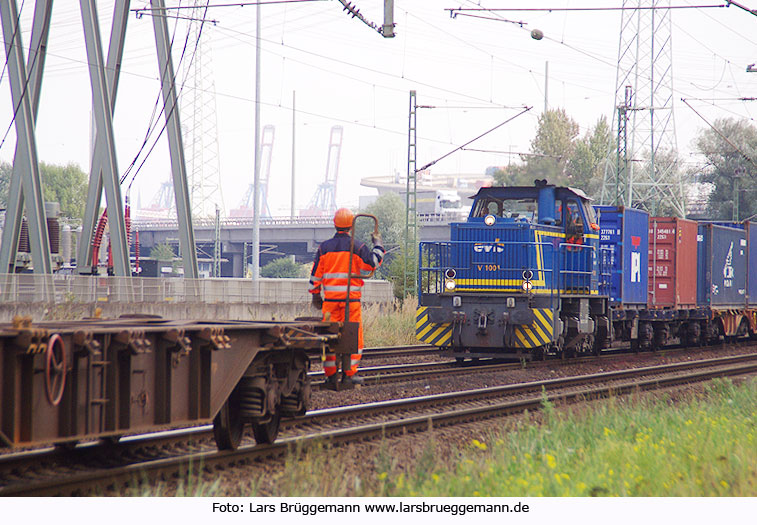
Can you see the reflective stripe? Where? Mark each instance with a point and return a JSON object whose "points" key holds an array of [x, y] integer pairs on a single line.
{"points": [[377, 257], [314, 279], [328, 288], [336, 275], [365, 273]]}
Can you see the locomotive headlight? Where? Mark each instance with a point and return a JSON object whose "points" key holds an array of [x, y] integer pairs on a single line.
{"points": [[449, 285], [489, 220], [450, 273], [527, 286]]}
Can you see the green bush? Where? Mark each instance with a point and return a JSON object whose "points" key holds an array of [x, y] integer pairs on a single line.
{"points": [[283, 268]]}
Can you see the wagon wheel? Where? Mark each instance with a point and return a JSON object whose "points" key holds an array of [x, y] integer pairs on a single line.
{"points": [[267, 432], [228, 426], [55, 369]]}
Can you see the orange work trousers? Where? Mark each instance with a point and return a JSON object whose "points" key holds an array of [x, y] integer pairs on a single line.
{"points": [[334, 311]]}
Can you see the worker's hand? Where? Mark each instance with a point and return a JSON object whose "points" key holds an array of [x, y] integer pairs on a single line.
{"points": [[376, 239], [317, 301]]}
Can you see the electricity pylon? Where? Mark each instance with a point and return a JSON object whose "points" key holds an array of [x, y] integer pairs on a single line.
{"points": [[198, 112], [646, 174]]}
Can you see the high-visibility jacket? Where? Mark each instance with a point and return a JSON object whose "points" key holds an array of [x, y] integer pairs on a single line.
{"points": [[331, 267]]}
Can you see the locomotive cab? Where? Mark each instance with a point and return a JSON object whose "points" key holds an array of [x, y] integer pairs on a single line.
{"points": [[519, 277]]}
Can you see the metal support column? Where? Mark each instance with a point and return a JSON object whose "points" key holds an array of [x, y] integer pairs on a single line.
{"points": [[31, 181], [217, 245], [175, 145], [387, 29], [623, 181], [411, 215], [256, 175], [102, 109], [15, 201], [84, 261]]}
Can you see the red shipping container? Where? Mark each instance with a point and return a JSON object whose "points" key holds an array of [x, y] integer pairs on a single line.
{"points": [[672, 263]]}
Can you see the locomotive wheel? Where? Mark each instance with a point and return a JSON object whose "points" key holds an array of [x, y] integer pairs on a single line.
{"points": [[55, 369], [266, 433], [228, 426]]}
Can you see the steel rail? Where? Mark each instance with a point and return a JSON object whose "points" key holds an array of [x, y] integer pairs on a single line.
{"points": [[382, 352], [677, 374]]}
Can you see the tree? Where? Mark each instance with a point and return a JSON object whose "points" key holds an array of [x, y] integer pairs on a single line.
{"points": [[586, 166], [66, 185], [5, 179], [394, 271], [389, 209], [282, 268], [725, 164], [551, 150], [162, 252]]}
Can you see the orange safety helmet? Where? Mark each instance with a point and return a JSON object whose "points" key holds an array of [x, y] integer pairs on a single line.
{"points": [[343, 219]]}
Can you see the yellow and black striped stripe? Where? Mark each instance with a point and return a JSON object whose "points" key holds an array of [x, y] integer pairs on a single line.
{"points": [[437, 334], [536, 334]]}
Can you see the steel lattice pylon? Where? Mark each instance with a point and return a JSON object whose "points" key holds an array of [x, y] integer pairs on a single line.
{"points": [[647, 173], [198, 111]]}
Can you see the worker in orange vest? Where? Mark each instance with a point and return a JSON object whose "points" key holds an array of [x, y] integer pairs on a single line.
{"points": [[330, 273]]}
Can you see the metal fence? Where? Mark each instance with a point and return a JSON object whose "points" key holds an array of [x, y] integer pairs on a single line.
{"points": [[247, 222], [28, 288]]}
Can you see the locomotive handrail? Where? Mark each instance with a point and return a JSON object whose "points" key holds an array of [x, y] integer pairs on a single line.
{"points": [[570, 271]]}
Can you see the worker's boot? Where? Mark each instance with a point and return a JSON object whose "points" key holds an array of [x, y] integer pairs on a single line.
{"points": [[349, 382], [330, 383]]}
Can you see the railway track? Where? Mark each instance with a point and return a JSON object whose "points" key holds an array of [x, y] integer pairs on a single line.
{"points": [[73, 472], [377, 375], [383, 352]]}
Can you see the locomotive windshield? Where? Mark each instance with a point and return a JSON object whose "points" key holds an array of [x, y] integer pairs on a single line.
{"points": [[507, 208]]}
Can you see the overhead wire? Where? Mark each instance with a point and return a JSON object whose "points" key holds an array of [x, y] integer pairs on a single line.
{"points": [[175, 106], [614, 65], [15, 32]]}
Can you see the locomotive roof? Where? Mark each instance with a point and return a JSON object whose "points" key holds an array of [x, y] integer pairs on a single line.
{"points": [[526, 191]]}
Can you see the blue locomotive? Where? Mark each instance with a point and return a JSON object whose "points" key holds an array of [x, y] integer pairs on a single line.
{"points": [[538, 270]]}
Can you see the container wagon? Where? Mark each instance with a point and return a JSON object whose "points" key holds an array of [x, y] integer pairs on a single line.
{"points": [[537, 270]]}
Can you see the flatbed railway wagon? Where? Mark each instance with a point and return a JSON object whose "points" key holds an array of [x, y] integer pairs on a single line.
{"points": [[65, 382]]}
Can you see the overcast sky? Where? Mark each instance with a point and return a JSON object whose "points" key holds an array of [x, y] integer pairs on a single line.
{"points": [[476, 72]]}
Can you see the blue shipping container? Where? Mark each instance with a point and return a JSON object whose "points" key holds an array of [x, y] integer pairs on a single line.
{"points": [[751, 271], [721, 266], [624, 251]]}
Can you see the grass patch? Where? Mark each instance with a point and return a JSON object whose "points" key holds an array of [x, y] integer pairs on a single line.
{"points": [[701, 445], [390, 325], [704, 446]]}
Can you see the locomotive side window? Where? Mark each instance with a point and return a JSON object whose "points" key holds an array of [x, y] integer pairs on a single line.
{"points": [[573, 217], [574, 223]]}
